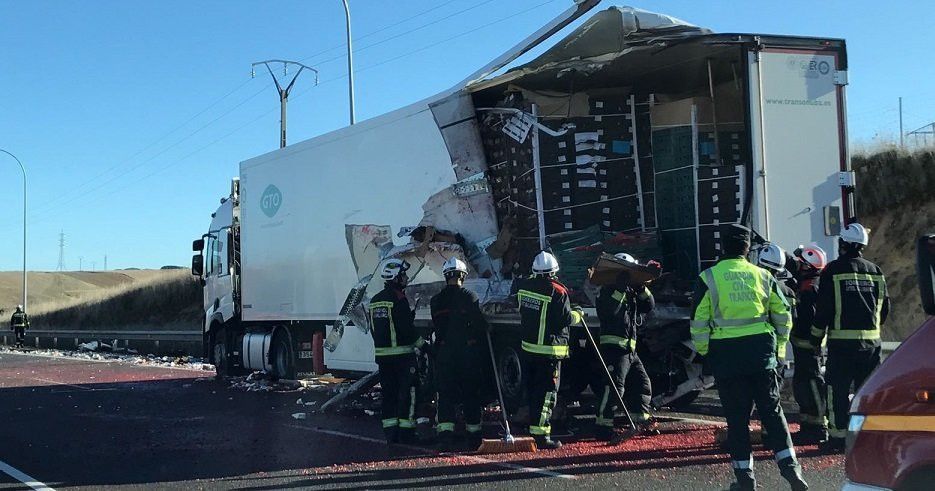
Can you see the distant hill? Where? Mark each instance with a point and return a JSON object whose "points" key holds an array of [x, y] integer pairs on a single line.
{"points": [[152, 299]]}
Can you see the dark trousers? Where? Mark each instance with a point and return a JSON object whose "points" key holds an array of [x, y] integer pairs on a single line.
{"points": [[398, 381], [541, 375], [846, 368], [739, 394], [808, 387], [632, 382], [20, 333], [460, 381]]}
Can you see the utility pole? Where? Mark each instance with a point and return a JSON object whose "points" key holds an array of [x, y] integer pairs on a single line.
{"points": [[105, 262], [283, 93], [901, 123], [350, 60], [93, 265], [22, 168], [61, 251], [80, 263]]}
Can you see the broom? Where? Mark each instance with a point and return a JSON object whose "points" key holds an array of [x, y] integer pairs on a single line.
{"points": [[620, 438], [509, 443]]}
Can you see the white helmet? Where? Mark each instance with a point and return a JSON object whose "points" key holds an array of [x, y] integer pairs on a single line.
{"points": [[393, 268], [454, 264], [545, 263], [855, 233], [814, 256], [772, 257], [623, 256], [19, 307]]}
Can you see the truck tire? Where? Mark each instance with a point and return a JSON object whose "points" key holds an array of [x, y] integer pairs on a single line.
{"points": [[219, 353], [281, 357], [510, 368]]}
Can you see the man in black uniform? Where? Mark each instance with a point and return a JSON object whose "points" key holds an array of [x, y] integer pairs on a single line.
{"points": [[395, 340], [852, 306], [545, 315], [618, 308], [461, 355], [18, 324], [741, 325], [808, 384]]}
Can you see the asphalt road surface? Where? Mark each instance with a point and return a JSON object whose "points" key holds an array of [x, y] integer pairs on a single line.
{"points": [[69, 423]]}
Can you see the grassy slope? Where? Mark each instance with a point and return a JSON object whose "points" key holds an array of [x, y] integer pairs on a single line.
{"points": [[896, 199], [149, 299]]}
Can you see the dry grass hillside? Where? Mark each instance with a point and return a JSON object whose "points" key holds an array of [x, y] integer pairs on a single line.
{"points": [[150, 299], [896, 199]]}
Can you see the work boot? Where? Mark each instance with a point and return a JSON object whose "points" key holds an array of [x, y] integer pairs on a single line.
{"points": [[472, 440], [604, 433], [446, 441], [832, 446], [745, 484], [407, 436], [792, 473], [809, 435], [544, 442], [391, 434]]}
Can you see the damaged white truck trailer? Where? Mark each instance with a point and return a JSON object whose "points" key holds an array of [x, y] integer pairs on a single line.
{"points": [[636, 132]]}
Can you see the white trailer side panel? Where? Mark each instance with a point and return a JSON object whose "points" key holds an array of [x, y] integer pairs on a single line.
{"points": [[296, 201], [797, 129]]}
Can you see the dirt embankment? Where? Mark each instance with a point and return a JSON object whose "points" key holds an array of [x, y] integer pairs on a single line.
{"points": [[143, 299], [896, 199]]}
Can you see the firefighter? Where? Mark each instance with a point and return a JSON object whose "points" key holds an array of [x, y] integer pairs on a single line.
{"points": [[619, 308], [461, 354], [545, 315], [395, 341], [741, 324], [852, 306], [808, 384], [18, 324]]}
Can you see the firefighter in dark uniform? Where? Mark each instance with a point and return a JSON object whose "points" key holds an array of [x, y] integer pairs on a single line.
{"points": [[395, 341], [852, 306], [808, 384], [741, 324], [619, 308], [545, 315], [461, 355], [18, 324]]}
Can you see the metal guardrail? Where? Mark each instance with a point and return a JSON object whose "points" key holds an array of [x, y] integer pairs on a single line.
{"points": [[112, 334]]}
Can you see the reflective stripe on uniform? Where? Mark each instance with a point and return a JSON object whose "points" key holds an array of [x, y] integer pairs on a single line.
{"points": [[742, 464], [721, 322], [645, 294], [445, 427], [618, 341], [607, 422], [543, 310], [407, 423], [412, 408], [869, 334], [601, 420], [878, 308], [540, 430], [473, 428], [390, 422], [785, 454], [545, 349], [741, 331], [395, 350]]}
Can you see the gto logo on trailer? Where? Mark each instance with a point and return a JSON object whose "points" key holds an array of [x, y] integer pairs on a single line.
{"points": [[271, 200]]}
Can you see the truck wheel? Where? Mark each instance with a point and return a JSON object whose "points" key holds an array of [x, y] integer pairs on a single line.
{"points": [[281, 358], [511, 377], [219, 354]]}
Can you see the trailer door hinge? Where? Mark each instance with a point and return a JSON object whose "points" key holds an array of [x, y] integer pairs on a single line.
{"points": [[847, 179], [840, 77]]}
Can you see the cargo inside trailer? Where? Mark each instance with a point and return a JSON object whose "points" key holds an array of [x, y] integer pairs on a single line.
{"points": [[643, 149]]}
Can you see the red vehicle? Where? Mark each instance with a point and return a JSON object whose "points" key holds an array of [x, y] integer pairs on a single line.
{"points": [[891, 435]]}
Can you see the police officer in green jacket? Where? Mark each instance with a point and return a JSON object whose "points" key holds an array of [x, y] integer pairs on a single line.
{"points": [[545, 315], [741, 324]]}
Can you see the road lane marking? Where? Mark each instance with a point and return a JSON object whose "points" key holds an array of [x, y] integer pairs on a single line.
{"points": [[23, 477], [474, 458]]}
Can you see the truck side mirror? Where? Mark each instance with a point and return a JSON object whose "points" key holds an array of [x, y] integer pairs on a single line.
{"points": [[925, 270], [198, 265], [198, 245]]}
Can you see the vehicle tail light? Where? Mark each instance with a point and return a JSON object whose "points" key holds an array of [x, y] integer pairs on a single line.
{"points": [[923, 396]]}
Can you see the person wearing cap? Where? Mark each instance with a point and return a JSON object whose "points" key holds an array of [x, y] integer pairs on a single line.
{"points": [[18, 324], [545, 316], [740, 324], [395, 341], [852, 306], [620, 308], [461, 355], [808, 383]]}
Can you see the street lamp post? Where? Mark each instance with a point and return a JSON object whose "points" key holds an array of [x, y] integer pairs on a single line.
{"points": [[350, 60], [22, 168]]}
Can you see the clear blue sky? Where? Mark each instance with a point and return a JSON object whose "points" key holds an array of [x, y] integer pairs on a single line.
{"points": [[118, 108]]}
